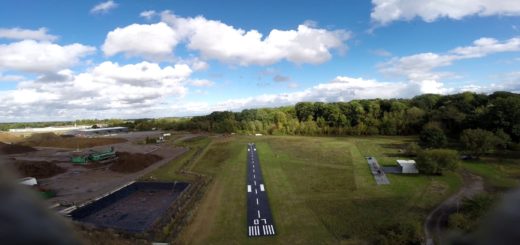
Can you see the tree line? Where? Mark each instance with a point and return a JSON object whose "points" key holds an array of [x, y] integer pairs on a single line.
{"points": [[498, 112]]}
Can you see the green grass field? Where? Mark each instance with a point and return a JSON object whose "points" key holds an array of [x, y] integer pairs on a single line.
{"points": [[499, 173], [320, 191]]}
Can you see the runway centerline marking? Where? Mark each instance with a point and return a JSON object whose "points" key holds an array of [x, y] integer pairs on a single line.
{"points": [[258, 213], [257, 201]]}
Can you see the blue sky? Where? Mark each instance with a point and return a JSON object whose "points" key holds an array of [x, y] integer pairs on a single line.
{"points": [[63, 60]]}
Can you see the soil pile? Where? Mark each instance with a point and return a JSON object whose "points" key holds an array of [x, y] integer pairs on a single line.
{"points": [[53, 140], [133, 162], [14, 148], [38, 169]]}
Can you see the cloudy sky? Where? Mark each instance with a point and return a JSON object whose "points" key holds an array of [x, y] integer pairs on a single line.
{"points": [[66, 60]]}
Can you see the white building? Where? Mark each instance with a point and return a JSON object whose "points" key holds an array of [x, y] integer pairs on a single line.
{"points": [[408, 166]]}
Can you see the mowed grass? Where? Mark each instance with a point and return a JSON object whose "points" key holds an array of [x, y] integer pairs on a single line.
{"points": [[170, 171], [320, 191]]}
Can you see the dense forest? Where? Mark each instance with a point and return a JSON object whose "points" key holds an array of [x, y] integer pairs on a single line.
{"points": [[450, 114]]}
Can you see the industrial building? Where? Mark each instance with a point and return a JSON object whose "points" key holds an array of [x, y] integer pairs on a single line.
{"points": [[56, 130], [99, 131]]}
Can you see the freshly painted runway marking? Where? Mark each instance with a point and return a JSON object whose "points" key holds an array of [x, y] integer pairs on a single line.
{"points": [[262, 187], [257, 201], [258, 213], [248, 188]]}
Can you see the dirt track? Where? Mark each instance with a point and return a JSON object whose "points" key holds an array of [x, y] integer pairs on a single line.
{"points": [[437, 220]]}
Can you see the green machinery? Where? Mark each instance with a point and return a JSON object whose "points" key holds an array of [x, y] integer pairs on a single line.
{"points": [[95, 156]]}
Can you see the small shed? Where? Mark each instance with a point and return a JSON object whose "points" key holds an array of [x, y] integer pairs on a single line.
{"points": [[408, 166]]}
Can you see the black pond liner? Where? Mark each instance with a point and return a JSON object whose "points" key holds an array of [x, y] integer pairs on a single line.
{"points": [[133, 208]]}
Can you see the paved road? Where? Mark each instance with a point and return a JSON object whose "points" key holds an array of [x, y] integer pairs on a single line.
{"points": [[259, 218], [377, 171]]}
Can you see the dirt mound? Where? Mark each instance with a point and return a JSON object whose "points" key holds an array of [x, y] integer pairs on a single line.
{"points": [[9, 137], [133, 162], [38, 169], [53, 140], [14, 148]]}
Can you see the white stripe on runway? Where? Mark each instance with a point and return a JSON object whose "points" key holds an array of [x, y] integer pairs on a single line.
{"points": [[253, 170], [254, 176], [257, 230], [258, 213], [248, 188], [257, 201], [263, 227], [256, 191], [249, 230], [255, 182], [272, 229], [262, 187]]}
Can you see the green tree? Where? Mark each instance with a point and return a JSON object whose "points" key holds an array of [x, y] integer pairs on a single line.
{"points": [[435, 161], [432, 137], [412, 149], [503, 139], [478, 141]]}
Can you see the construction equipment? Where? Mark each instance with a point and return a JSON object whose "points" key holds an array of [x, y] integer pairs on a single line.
{"points": [[95, 156]]}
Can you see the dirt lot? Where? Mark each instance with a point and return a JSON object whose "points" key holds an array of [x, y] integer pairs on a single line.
{"points": [[133, 162], [38, 169], [53, 140], [78, 184], [14, 148]]}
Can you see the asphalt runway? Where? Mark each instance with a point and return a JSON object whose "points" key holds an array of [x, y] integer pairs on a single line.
{"points": [[259, 218]]}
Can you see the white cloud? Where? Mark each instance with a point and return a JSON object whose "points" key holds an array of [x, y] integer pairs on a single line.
{"points": [[148, 14], [201, 83], [24, 34], [106, 90], [422, 66], [386, 11], [155, 41], [103, 7], [342, 88], [10, 78], [381, 52], [33, 56], [219, 41]]}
